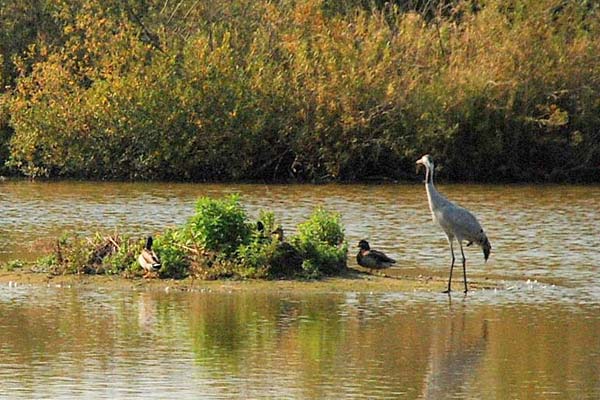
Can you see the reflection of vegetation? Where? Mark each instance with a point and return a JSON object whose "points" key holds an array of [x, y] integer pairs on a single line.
{"points": [[321, 346], [322, 89], [320, 334], [217, 241], [232, 331], [224, 327]]}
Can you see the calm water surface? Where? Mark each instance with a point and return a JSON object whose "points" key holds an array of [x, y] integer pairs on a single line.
{"points": [[538, 339]]}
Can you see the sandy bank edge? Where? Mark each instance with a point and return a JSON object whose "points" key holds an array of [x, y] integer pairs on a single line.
{"points": [[352, 281]]}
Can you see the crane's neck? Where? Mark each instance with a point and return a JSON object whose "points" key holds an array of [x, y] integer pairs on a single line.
{"points": [[429, 175], [433, 196]]}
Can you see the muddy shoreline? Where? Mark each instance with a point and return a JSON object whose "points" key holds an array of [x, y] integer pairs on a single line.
{"points": [[351, 281]]}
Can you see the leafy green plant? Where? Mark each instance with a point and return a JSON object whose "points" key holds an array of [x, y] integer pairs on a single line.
{"points": [[267, 253], [259, 249], [173, 257], [47, 263], [218, 226], [258, 253], [322, 226], [320, 241]]}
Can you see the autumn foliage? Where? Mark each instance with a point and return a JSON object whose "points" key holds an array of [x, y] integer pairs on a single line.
{"points": [[304, 90]]}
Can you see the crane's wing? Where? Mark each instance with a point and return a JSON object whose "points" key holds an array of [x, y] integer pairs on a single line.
{"points": [[461, 223]]}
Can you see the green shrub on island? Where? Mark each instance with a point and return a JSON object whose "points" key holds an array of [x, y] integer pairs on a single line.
{"points": [[269, 253], [219, 225], [173, 256], [218, 241], [320, 241], [259, 251]]}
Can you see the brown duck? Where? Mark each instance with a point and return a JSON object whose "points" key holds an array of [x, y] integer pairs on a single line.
{"points": [[372, 259]]}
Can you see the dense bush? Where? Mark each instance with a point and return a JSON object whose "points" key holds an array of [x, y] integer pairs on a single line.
{"points": [[219, 225], [218, 241], [320, 241], [258, 252], [173, 256], [317, 89]]}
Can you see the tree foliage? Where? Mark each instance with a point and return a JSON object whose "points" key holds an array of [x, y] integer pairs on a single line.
{"points": [[318, 89]]}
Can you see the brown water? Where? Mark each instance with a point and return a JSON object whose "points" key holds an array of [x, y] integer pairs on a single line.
{"points": [[537, 339]]}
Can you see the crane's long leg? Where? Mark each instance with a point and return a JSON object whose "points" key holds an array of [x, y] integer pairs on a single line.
{"points": [[464, 262], [450, 240]]}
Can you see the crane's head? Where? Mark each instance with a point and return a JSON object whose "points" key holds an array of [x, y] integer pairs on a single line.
{"points": [[363, 245], [426, 161]]}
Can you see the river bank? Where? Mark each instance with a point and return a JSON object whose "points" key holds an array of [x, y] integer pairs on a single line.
{"points": [[351, 281]]}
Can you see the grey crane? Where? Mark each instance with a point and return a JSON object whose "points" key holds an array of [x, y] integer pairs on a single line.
{"points": [[457, 222]]}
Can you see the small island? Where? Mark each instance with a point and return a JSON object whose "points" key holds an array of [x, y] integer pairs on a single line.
{"points": [[218, 242], [218, 249]]}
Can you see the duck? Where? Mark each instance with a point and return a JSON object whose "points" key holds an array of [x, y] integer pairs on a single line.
{"points": [[286, 260], [278, 234], [372, 259], [148, 259]]}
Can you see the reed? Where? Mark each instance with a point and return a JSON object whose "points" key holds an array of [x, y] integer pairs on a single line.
{"points": [[312, 90]]}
